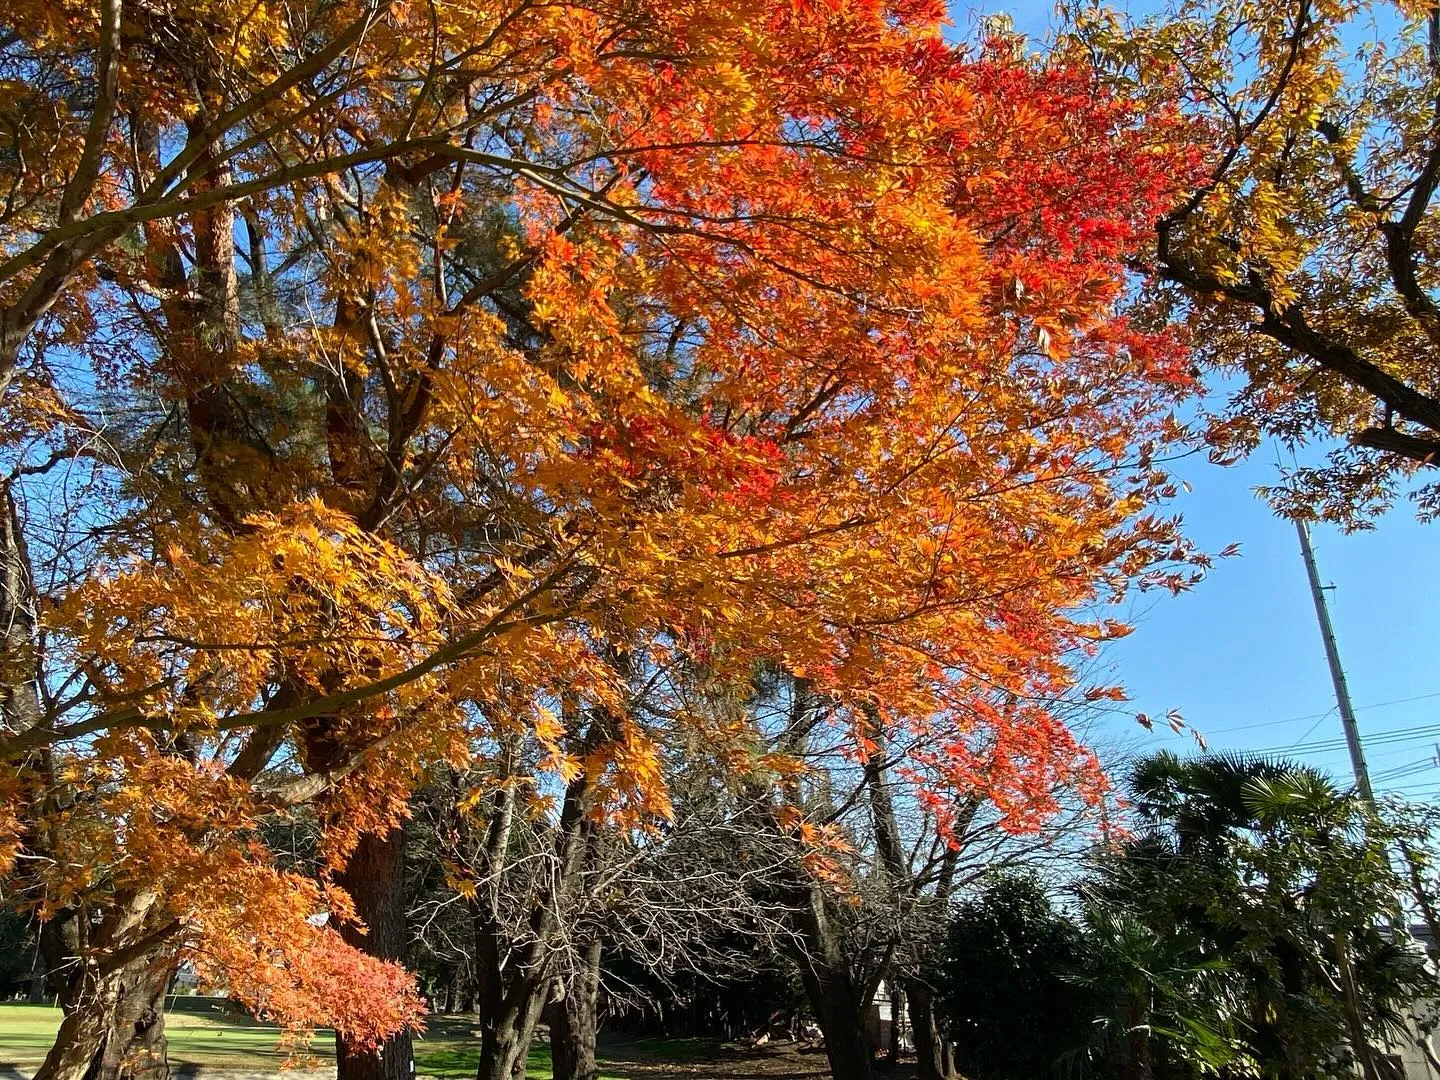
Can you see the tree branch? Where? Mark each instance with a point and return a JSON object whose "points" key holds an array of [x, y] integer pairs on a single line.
{"points": [[1425, 451]]}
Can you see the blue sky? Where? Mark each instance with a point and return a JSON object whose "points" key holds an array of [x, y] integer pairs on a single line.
{"points": [[1240, 655]]}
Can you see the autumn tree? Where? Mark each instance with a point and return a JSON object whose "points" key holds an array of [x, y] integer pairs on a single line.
{"points": [[1304, 259], [383, 384], [530, 900], [872, 885]]}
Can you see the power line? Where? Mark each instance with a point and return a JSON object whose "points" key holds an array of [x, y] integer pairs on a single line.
{"points": [[1319, 715], [1410, 769], [1391, 755], [1326, 745], [1408, 791], [1311, 729]]}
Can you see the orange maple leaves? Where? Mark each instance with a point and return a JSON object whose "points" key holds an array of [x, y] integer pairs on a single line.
{"points": [[777, 335]]}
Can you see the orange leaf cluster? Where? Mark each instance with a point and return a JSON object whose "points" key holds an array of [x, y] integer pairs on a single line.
{"points": [[572, 340]]}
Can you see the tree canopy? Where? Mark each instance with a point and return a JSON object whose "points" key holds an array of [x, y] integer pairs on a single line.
{"points": [[1304, 261], [386, 385]]}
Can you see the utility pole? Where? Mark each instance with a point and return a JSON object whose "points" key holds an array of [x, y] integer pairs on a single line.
{"points": [[1366, 792], [1337, 673]]}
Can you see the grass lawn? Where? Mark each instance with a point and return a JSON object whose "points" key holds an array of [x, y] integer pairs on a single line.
{"points": [[228, 1042], [449, 1048]]}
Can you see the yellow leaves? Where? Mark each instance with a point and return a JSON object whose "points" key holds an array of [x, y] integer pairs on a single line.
{"points": [[513, 570], [14, 792], [730, 86], [470, 800], [305, 594], [1318, 129], [548, 728], [29, 407], [783, 766], [1105, 630], [380, 255], [565, 766], [461, 881], [1276, 84], [629, 778], [820, 845]]}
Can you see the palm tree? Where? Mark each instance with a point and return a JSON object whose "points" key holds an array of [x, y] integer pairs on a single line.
{"points": [[1161, 987], [1270, 882]]}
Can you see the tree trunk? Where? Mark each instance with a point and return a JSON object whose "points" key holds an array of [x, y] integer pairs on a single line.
{"points": [[837, 1011], [114, 1025], [1422, 897], [135, 1045], [500, 1004], [39, 970], [117, 972], [20, 708], [375, 880], [1360, 1044], [932, 1061], [572, 1022], [934, 1055], [1137, 1040], [505, 1039], [512, 980], [830, 985], [834, 997], [897, 1025]]}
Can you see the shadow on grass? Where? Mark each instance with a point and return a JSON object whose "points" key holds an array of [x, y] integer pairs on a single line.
{"points": [[453, 1053], [689, 1059]]}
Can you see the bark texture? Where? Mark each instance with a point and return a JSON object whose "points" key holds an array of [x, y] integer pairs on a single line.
{"points": [[114, 998], [375, 880], [572, 1020], [933, 1057], [836, 1000]]}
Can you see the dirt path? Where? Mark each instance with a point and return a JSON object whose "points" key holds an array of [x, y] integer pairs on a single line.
{"points": [[724, 1061], [729, 1061]]}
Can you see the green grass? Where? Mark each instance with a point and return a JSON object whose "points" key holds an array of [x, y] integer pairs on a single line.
{"points": [[449, 1049], [228, 1041], [26, 1032]]}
